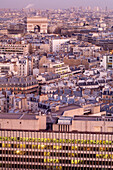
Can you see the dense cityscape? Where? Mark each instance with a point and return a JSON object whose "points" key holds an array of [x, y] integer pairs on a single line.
{"points": [[56, 89]]}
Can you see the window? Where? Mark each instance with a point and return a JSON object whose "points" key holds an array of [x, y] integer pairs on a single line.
{"points": [[110, 129], [98, 129]]}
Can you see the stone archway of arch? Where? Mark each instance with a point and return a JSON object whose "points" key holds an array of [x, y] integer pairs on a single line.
{"points": [[36, 28]]}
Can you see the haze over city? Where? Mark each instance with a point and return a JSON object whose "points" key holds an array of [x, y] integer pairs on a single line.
{"points": [[47, 4]]}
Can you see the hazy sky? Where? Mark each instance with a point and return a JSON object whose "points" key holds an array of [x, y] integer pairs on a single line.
{"points": [[49, 4]]}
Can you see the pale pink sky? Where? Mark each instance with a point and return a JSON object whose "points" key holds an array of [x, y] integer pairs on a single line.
{"points": [[49, 4]]}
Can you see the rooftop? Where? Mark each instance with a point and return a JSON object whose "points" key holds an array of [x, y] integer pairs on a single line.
{"points": [[93, 118], [18, 116], [66, 108]]}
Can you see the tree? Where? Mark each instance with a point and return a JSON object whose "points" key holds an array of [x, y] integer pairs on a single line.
{"points": [[57, 30]]}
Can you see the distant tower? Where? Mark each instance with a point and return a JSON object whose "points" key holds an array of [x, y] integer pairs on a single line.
{"points": [[97, 8], [106, 9]]}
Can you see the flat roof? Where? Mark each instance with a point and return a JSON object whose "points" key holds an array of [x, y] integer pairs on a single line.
{"points": [[93, 118], [18, 116], [66, 108]]}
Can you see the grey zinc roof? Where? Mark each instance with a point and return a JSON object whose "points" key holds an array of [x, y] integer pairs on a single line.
{"points": [[66, 108], [10, 116], [18, 116], [93, 118], [13, 80], [29, 117]]}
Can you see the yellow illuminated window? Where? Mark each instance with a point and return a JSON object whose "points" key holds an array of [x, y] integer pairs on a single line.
{"points": [[48, 160], [72, 161], [57, 147], [97, 155], [57, 161], [17, 152], [72, 147], [54, 147], [42, 139], [76, 161], [8, 145], [60, 167], [34, 146], [75, 147], [60, 147], [73, 154], [15, 139], [3, 145], [45, 140], [48, 139], [39, 146], [27, 139], [104, 142], [33, 139], [54, 160], [76, 141], [36, 139], [54, 140]]}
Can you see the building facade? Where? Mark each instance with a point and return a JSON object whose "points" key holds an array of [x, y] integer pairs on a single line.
{"points": [[107, 95], [25, 143], [20, 149], [55, 44], [107, 62], [25, 66], [6, 67], [14, 49], [22, 85]]}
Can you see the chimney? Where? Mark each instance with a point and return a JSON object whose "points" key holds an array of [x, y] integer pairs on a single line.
{"points": [[32, 65], [71, 91]]}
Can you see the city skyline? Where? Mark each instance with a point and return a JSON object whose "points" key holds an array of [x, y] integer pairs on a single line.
{"points": [[48, 4]]}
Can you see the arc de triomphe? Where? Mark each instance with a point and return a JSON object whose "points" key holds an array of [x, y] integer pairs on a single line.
{"points": [[37, 24]]}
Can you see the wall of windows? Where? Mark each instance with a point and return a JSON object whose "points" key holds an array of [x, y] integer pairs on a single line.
{"points": [[53, 150], [49, 140]]}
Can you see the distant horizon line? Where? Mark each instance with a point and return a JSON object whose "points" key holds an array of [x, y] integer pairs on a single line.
{"points": [[78, 7]]}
